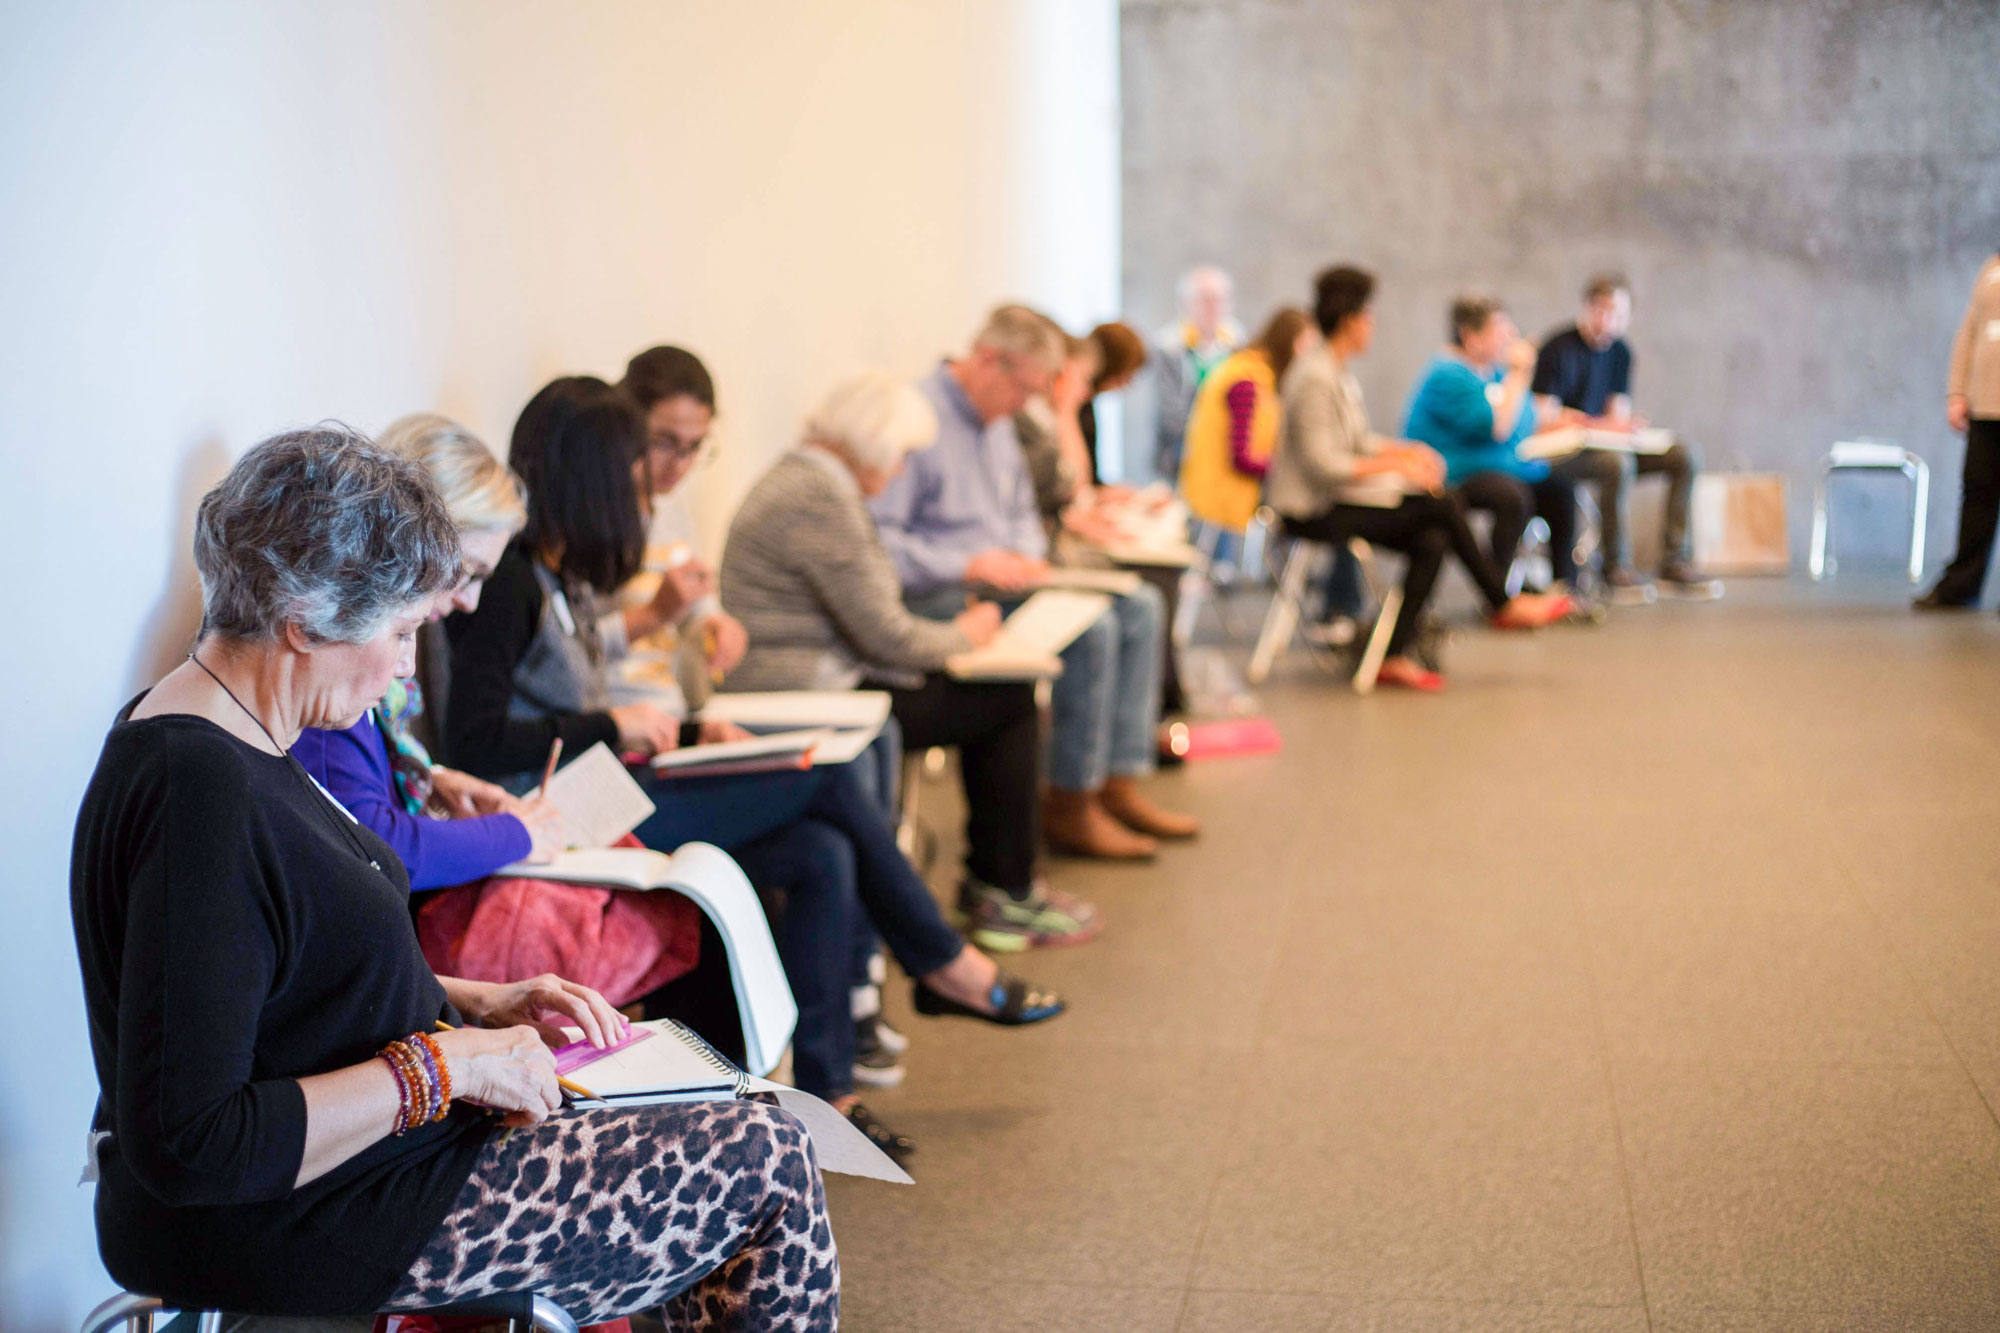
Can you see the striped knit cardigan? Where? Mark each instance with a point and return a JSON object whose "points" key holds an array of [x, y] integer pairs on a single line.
{"points": [[807, 575]]}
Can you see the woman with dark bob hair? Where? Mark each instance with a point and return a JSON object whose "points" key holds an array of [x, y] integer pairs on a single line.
{"points": [[528, 666], [302, 1118]]}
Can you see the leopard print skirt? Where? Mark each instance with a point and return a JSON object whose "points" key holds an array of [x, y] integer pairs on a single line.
{"points": [[711, 1212]]}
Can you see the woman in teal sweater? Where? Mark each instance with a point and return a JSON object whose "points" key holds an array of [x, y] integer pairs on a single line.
{"points": [[1473, 406]]}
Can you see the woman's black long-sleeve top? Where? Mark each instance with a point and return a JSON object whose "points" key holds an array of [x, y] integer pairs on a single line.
{"points": [[238, 932]]}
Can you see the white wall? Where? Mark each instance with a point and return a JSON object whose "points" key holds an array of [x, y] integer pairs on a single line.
{"points": [[225, 219]]}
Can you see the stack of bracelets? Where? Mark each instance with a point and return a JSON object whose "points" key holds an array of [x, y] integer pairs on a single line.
{"points": [[421, 1077]]}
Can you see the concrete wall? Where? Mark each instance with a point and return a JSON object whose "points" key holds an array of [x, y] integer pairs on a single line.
{"points": [[225, 217], [1800, 190]]}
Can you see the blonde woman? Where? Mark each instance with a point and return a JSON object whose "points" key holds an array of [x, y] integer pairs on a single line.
{"points": [[453, 830]]}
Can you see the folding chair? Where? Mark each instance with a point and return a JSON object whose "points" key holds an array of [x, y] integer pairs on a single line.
{"points": [[1281, 621]]}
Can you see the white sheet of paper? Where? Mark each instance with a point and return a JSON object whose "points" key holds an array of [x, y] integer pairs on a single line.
{"points": [[598, 800], [836, 1142], [1050, 620], [1029, 640]]}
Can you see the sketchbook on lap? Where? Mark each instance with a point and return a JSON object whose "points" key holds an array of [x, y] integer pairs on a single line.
{"points": [[664, 1061], [1030, 640], [780, 749], [848, 720]]}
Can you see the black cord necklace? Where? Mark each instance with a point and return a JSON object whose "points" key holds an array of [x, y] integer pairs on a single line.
{"points": [[353, 839]]}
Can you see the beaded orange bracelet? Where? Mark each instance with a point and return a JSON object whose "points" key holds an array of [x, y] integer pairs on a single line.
{"points": [[440, 1071], [398, 1056], [420, 1065]]}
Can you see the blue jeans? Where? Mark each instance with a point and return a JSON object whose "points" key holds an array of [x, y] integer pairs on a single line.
{"points": [[1107, 700], [815, 835], [880, 768]]}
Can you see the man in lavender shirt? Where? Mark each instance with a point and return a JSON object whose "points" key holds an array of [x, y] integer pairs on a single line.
{"points": [[962, 516]]}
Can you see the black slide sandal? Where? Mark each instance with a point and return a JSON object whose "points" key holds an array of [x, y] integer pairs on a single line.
{"points": [[1018, 1003]]}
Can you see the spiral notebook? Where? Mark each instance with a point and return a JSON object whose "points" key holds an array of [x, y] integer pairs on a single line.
{"points": [[662, 1061]]}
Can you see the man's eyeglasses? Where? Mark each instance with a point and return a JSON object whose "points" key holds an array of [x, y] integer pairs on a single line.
{"points": [[1032, 378]]}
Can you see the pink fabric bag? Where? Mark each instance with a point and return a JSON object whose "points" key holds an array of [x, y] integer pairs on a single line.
{"points": [[619, 942]]}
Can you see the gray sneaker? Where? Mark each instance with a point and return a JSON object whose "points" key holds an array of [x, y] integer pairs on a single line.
{"points": [[998, 922], [1688, 584]]}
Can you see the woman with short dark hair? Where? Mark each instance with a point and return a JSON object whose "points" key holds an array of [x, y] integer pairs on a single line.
{"points": [[289, 1130]]}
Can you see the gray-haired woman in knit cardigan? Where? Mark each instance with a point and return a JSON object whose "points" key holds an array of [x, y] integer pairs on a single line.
{"points": [[807, 575]]}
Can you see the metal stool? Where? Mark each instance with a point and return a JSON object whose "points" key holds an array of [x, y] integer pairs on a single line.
{"points": [[525, 1312], [1869, 456], [1281, 622]]}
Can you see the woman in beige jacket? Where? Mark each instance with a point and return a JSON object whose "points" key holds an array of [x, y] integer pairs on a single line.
{"points": [[1972, 405]]}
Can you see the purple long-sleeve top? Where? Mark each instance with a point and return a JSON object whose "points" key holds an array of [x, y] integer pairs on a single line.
{"points": [[354, 766]]}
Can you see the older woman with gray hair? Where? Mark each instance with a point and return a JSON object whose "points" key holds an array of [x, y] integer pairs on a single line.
{"points": [[806, 573], [303, 1118]]}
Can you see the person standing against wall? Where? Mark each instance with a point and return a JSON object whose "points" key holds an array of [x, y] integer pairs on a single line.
{"points": [[1972, 405], [1184, 352]]}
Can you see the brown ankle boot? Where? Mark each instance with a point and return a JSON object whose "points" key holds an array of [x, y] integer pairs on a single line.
{"points": [[1124, 802], [1074, 822]]}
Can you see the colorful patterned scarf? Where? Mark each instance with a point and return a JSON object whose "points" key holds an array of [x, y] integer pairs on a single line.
{"points": [[409, 762]]}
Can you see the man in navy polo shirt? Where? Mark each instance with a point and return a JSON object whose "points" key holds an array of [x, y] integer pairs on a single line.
{"points": [[1583, 377]]}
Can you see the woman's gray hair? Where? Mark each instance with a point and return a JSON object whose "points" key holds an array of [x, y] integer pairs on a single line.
{"points": [[321, 529], [874, 418]]}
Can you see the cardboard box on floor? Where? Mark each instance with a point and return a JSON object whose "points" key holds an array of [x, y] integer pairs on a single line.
{"points": [[1739, 523]]}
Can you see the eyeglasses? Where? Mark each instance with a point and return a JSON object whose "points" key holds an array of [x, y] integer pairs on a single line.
{"points": [[672, 451]]}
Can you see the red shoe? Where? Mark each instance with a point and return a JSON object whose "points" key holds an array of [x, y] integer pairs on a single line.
{"points": [[1409, 676], [1532, 611]]}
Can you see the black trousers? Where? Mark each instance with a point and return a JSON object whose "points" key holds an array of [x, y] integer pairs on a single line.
{"points": [[1512, 502], [1423, 528], [1978, 514], [997, 732], [1173, 699]]}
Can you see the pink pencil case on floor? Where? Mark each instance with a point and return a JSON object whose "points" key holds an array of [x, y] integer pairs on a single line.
{"points": [[1228, 736]]}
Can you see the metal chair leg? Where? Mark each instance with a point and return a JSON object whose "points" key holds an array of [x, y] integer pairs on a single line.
{"points": [[1816, 562], [132, 1313], [545, 1316], [1283, 618], [1377, 650], [1920, 514]]}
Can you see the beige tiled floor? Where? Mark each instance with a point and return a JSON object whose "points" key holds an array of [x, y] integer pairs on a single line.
{"points": [[1648, 979]]}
